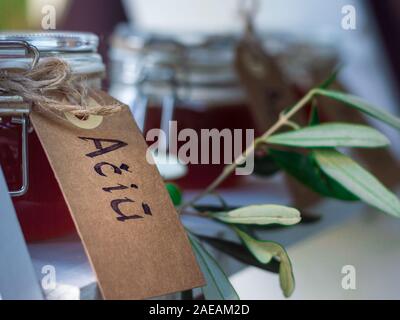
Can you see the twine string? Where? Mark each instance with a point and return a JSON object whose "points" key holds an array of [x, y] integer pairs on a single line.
{"points": [[51, 86]]}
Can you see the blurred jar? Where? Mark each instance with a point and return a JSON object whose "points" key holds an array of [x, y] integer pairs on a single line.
{"points": [[187, 79], [37, 198], [191, 78]]}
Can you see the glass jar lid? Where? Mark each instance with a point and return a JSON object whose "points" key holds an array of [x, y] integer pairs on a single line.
{"points": [[56, 41], [201, 66], [192, 55], [196, 66]]}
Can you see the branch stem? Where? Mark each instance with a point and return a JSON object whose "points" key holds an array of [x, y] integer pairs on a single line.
{"points": [[284, 119]]}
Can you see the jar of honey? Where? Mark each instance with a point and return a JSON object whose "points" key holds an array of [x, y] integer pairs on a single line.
{"points": [[37, 198]]}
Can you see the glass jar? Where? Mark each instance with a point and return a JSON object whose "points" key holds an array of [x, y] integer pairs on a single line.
{"points": [[188, 79], [191, 79], [37, 198]]}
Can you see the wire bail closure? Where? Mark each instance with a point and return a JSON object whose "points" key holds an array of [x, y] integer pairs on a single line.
{"points": [[29, 49], [19, 110]]}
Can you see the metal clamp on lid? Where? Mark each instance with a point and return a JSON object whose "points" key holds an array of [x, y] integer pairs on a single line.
{"points": [[22, 51]]}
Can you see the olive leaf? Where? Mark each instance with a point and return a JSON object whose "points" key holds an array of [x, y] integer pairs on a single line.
{"points": [[305, 169], [331, 135], [361, 105], [265, 166], [314, 114], [264, 252], [286, 277], [260, 214], [355, 178], [174, 193], [206, 208], [306, 218], [218, 286], [187, 295]]}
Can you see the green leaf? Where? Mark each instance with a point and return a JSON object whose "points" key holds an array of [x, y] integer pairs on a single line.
{"points": [[260, 214], [331, 79], [187, 295], [286, 277], [306, 218], [331, 135], [355, 178], [264, 251], [305, 169], [314, 115], [240, 253], [213, 208], [174, 193], [361, 105], [324, 85], [265, 166], [218, 286]]}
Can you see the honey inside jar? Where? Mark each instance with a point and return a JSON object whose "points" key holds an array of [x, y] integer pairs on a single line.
{"points": [[188, 79]]}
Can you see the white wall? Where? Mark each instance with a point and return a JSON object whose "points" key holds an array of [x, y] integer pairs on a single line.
{"points": [[306, 16]]}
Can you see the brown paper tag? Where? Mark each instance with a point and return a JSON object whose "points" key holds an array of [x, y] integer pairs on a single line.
{"points": [[129, 226]]}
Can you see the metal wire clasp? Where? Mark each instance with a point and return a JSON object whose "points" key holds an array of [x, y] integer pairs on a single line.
{"points": [[30, 50], [19, 109]]}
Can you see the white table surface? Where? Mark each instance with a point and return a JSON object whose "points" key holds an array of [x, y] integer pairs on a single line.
{"points": [[370, 242], [347, 230]]}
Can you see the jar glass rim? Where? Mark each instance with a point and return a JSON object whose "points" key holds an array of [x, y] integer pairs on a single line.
{"points": [[78, 49], [55, 41]]}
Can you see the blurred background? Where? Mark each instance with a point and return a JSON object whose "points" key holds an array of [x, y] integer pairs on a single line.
{"points": [[186, 61], [369, 53]]}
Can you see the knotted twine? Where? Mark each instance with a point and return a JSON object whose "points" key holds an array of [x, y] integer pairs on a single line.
{"points": [[51, 86]]}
